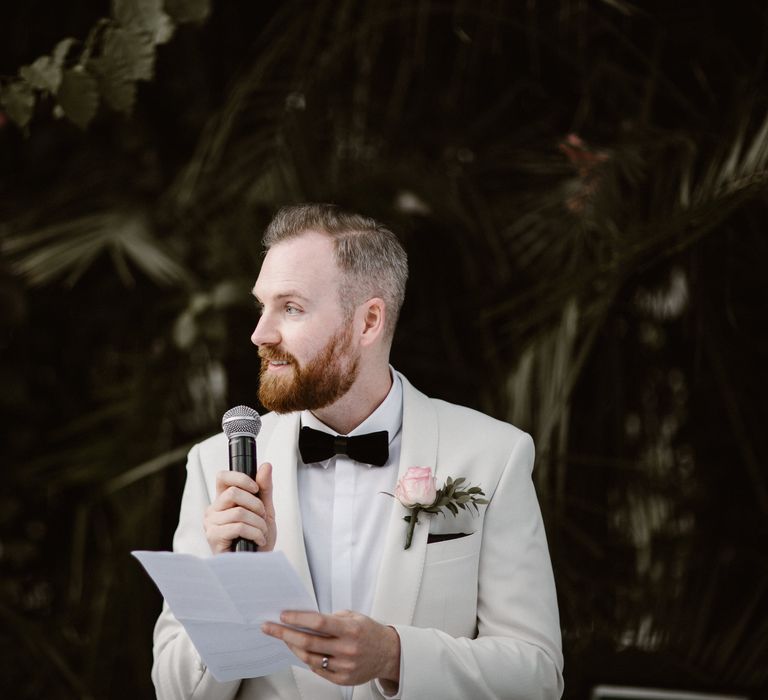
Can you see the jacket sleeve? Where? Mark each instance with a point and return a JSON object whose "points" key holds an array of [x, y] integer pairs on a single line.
{"points": [[517, 651], [178, 672]]}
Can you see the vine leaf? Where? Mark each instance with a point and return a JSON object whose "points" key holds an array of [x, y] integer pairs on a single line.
{"points": [[188, 10], [43, 74], [46, 72], [18, 98], [125, 52], [145, 16], [129, 52], [127, 56], [78, 96], [61, 50], [118, 92]]}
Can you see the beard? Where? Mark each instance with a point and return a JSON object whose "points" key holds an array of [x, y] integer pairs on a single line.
{"points": [[320, 382]]}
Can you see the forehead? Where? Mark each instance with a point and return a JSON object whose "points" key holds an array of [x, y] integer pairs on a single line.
{"points": [[303, 265]]}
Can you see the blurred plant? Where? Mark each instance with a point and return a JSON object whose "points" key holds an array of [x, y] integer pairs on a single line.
{"points": [[118, 52], [597, 229]]}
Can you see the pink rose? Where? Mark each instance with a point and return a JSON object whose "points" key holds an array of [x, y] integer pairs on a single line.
{"points": [[416, 488]]}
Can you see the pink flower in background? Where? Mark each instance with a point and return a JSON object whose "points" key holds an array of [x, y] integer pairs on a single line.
{"points": [[416, 488], [587, 162]]}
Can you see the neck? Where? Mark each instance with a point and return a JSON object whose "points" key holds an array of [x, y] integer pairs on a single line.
{"points": [[365, 396]]}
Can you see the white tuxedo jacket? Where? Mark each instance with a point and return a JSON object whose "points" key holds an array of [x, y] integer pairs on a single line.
{"points": [[477, 615]]}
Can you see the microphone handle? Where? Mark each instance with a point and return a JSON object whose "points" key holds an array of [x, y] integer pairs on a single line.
{"points": [[242, 458]]}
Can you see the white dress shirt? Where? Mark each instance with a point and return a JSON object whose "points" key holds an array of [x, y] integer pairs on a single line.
{"points": [[344, 509]]}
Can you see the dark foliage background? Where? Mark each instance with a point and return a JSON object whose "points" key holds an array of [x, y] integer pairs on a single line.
{"points": [[581, 186]]}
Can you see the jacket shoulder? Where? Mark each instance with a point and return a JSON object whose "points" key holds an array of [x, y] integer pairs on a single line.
{"points": [[475, 422], [460, 423]]}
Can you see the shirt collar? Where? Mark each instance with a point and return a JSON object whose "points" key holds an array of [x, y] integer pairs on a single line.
{"points": [[387, 416]]}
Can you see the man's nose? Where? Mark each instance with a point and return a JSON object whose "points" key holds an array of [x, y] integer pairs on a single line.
{"points": [[265, 332]]}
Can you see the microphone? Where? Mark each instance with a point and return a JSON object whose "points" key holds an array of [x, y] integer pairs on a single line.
{"points": [[241, 425]]}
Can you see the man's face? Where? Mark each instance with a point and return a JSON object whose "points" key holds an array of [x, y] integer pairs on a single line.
{"points": [[308, 355]]}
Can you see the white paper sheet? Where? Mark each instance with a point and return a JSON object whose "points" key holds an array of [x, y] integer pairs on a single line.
{"points": [[222, 601]]}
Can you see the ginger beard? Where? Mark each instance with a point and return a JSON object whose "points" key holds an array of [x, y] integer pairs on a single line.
{"points": [[321, 381]]}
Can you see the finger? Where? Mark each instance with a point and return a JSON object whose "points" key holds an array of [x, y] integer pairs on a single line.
{"points": [[218, 525], [234, 496], [323, 664], [264, 487], [237, 514], [306, 641], [330, 625], [225, 479], [226, 534], [315, 661], [311, 649]]}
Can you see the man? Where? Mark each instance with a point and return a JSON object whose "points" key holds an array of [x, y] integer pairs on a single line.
{"points": [[468, 610]]}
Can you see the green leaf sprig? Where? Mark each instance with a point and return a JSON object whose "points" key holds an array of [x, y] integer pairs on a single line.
{"points": [[450, 497]]}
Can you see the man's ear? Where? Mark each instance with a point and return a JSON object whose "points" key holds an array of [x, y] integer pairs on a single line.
{"points": [[374, 314]]}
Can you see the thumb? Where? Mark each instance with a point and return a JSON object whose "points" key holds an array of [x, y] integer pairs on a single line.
{"points": [[264, 482]]}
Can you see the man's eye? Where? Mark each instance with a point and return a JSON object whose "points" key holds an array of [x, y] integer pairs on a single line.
{"points": [[291, 310]]}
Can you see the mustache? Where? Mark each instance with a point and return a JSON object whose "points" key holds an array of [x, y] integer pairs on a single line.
{"points": [[269, 354]]}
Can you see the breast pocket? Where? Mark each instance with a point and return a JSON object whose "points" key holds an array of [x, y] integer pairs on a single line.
{"points": [[448, 595]]}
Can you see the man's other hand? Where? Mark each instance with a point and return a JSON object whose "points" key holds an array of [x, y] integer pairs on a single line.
{"points": [[358, 648]]}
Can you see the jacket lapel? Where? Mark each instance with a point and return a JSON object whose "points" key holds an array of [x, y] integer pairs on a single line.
{"points": [[282, 452], [397, 588]]}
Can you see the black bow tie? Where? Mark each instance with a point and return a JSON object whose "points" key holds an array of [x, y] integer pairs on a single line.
{"points": [[317, 446]]}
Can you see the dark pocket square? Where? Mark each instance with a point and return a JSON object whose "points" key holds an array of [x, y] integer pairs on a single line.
{"points": [[445, 537]]}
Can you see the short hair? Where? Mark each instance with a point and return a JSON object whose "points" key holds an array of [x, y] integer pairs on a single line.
{"points": [[374, 260]]}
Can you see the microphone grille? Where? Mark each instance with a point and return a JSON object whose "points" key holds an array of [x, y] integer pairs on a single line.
{"points": [[241, 419]]}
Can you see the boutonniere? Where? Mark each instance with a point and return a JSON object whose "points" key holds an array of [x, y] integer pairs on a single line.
{"points": [[417, 491]]}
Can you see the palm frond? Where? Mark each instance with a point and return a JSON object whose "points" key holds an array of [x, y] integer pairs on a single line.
{"points": [[68, 249]]}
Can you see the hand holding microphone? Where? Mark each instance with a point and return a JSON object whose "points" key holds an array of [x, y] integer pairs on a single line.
{"points": [[241, 425], [242, 515]]}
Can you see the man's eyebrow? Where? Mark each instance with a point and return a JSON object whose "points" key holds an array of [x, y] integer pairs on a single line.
{"points": [[291, 293]]}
